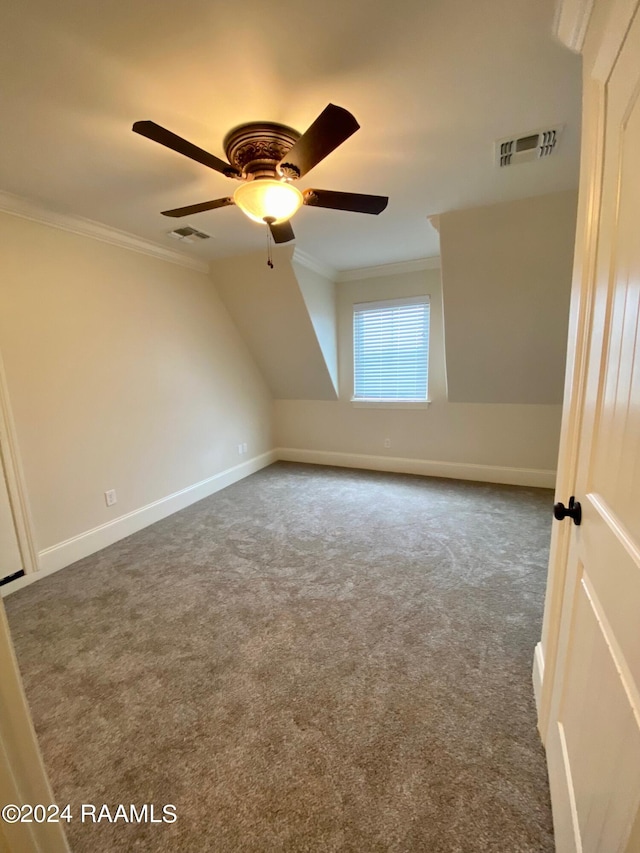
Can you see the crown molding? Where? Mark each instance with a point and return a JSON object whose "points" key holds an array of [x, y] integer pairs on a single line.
{"points": [[390, 269], [571, 22], [314, 264], [18, 206]]}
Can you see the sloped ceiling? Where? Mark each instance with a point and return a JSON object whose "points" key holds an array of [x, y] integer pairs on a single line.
{"points": [[273, 316], [433, 85]]}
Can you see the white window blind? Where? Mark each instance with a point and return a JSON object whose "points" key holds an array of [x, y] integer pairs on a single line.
{"points": [[391, 349]]}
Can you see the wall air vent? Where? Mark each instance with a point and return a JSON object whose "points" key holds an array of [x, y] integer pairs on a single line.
{"points": [[523, 149], [188, 234]]}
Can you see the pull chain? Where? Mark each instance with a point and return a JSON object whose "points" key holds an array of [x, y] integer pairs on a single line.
{"points": [[269, 220]]}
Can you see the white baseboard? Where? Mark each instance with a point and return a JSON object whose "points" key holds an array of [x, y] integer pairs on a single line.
{"points": [[67, 552], [424, 467], [538, 674]]}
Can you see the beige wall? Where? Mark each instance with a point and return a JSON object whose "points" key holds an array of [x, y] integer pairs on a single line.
{"points": [[124, 371], [516, 436], [507, 277]]}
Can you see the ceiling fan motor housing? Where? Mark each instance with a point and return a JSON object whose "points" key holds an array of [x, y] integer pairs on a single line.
{"points": [[257, 148]]}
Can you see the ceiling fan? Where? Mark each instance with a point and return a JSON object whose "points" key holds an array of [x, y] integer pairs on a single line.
{"points": [[267, 158]]}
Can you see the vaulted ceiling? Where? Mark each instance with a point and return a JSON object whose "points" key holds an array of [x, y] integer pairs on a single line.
{"points": [[433, 84]]}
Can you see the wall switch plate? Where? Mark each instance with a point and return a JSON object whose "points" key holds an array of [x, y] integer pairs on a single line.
{"points": [[110, 497], [244, 447], [239, 450]]}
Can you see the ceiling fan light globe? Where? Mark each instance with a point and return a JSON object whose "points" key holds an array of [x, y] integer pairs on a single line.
{"points": [[265, 198]]}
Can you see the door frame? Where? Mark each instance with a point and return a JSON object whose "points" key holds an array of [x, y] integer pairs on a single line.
{"points": [[11, 467], [23, 777]]}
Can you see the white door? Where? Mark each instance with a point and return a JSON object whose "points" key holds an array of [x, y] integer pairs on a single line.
{"points": [[593, 733]]}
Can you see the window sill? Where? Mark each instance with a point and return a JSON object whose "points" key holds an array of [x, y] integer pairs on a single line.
{"points": [[389, 404]]}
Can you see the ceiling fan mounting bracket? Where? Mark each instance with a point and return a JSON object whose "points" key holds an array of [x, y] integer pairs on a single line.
{"points": [[256, 148]]}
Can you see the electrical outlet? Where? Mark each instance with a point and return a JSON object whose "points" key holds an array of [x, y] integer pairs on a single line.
{"points": [[110, 497], [244, 447], [387, 442], [239, 450]]}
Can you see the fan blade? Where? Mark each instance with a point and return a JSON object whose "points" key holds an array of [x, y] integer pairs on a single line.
{"points": [[330, 129], [355, 202], [282, 233], [170, 140], [198, 208]]}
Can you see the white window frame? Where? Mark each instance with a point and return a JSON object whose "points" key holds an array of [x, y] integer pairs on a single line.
{"points": [[386, 402]]}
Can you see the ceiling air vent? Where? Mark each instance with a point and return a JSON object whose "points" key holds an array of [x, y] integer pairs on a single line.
{"points": [[188, 234], [532, 146]]}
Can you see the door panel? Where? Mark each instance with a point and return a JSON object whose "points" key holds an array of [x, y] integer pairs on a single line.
{"points": [[614, 577], [615, 469], [601, 776]]}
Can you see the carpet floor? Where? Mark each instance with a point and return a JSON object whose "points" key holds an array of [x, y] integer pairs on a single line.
{"points": [[313, 659]]}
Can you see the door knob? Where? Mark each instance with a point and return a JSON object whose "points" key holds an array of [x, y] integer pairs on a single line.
{"points": [[574, 510]]}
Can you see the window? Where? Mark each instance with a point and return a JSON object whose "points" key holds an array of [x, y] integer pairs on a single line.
{"points": [[391, 350]]}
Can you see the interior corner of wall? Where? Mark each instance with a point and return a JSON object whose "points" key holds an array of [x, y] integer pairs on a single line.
{"points": [[319, 298]]}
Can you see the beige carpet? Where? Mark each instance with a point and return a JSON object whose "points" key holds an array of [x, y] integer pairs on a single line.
{"points": [[313, 659]]}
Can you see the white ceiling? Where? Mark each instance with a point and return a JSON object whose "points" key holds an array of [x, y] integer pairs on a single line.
{"points": [[433, 83]]}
